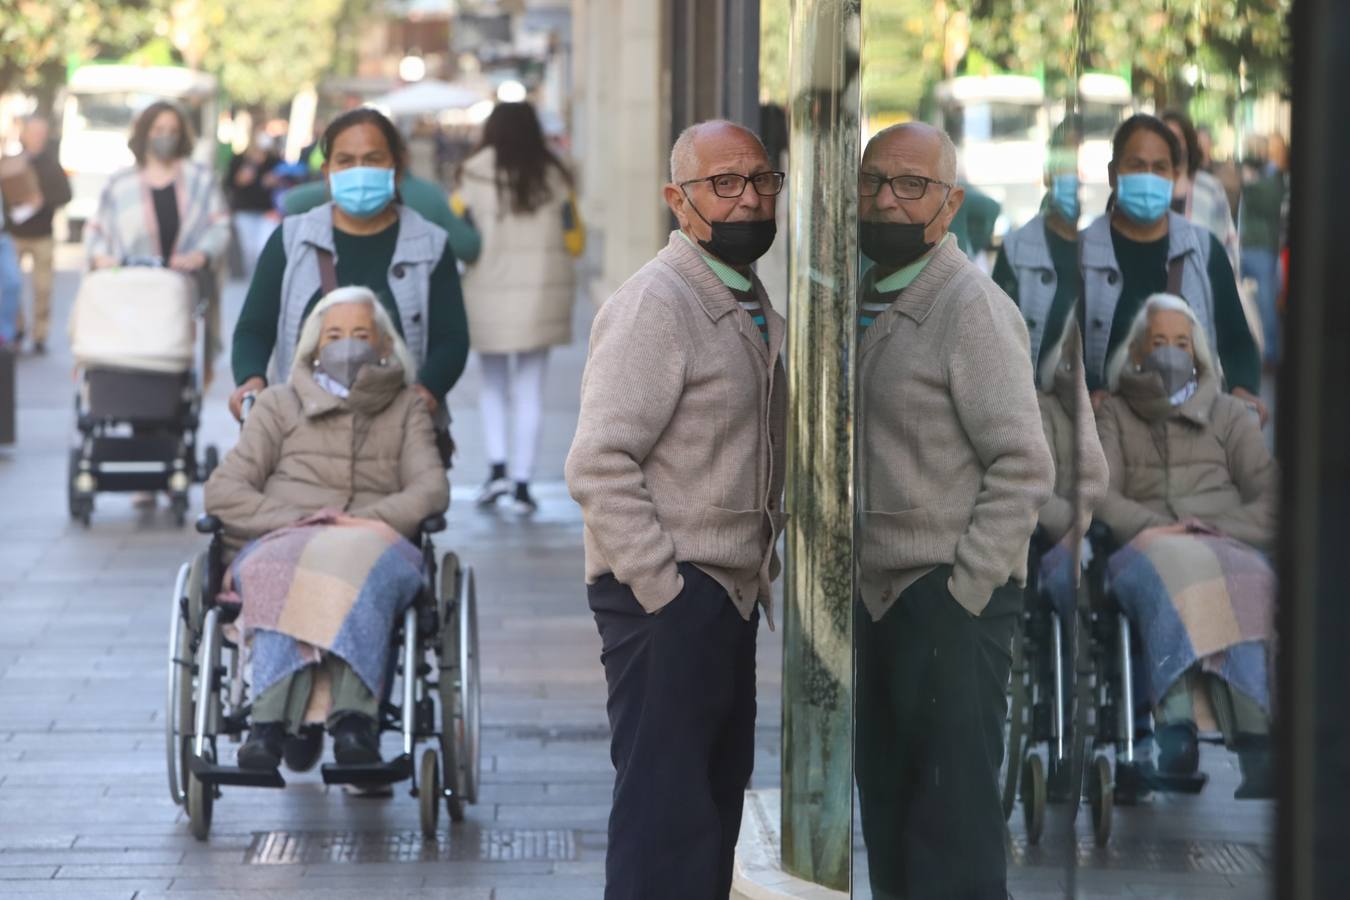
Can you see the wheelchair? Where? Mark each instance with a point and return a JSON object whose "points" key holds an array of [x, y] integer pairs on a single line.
{"points": [[434, 653], [1119, 719], [1038, 754]]}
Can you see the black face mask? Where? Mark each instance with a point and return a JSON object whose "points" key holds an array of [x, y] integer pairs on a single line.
{"points": [[738, 243], [894, 244]]}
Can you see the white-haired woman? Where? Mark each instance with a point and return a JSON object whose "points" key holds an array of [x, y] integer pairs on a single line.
{"points": [[347, 434], [1192, 501]]}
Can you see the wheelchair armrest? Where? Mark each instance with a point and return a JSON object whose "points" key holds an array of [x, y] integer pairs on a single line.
{"points": [[209, 524], [433, 524]]}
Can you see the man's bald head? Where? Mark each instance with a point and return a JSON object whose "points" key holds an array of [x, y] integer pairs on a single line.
{"points": [[702, 144], [921, 140]]}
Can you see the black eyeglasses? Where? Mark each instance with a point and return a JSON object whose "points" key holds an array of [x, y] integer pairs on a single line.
{"points": [[730, 186], [904, 187]]}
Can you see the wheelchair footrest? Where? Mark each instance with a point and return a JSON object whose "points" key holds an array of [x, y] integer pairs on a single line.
{"points": [[398, 769], [209, 773]]}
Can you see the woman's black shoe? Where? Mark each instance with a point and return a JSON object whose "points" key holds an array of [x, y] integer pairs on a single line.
{"points": [[355, 740], [262, 750], [302, 751]]}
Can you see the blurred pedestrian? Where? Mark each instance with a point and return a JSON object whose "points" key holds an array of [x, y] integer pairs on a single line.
{"points": [[165, 207], [678, 468], [954, 469], [11, 287], [363, 236], [519, 292], [1197, 194], [1263, 194], [1141, 247], [33, 234], [249, 181]]}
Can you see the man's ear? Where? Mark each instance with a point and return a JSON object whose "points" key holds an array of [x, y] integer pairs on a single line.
{"points": [[675, 199], [954, 201]]}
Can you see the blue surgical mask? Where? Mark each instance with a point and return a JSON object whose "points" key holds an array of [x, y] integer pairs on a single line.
{"points": [[1143, 196], [1064, 196], [362, 191]]}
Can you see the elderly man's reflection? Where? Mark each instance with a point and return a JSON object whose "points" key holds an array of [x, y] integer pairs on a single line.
{"points": [[954, 469]]}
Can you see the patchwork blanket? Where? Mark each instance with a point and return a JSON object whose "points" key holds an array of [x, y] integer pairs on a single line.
{"points": [[1199, 597], [330, 583]]}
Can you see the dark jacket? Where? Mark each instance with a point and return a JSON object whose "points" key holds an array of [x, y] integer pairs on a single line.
{"points": [[55, 189]]}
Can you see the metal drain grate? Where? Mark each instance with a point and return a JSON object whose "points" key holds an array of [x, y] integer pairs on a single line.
{"points": [[280, 848], [1213, 857]]}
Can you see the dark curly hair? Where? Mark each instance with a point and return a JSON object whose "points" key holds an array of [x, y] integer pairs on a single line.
{"points": [[1192, 148], [140, 132]]}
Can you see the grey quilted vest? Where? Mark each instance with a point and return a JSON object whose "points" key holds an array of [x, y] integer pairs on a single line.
{"points": [[1029, 256], [1102, 282], [419, 249]]}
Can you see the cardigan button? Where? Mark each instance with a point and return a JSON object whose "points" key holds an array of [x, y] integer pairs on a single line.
{"points": [[1046, 278], [1098, 323], [1112, 277], [399, 271], [1031, 324]]}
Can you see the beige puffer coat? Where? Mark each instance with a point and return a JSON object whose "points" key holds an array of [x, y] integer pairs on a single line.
{"points": [[1068, 393], [302, 449], [519, 293], [1205, 459]]}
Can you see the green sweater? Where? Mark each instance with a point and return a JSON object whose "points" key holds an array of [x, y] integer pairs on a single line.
{"points": [[426, 197], [1143, 269], [361, 260]]}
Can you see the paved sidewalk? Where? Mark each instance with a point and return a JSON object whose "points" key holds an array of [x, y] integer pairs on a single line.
{"points": [[84, 806]]}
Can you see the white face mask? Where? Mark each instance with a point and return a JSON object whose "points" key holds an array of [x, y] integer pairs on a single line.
{"points": [[342, 359]]}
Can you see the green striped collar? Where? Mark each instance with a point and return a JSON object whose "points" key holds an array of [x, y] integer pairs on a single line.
{"points": [[904, 277], [730, 277]]}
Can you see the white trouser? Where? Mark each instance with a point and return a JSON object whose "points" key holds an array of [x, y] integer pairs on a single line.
{"points": [[253, 229], [522, 391]]}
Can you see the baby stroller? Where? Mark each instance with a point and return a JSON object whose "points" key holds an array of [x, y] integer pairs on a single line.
{"points": [[133, 332]]}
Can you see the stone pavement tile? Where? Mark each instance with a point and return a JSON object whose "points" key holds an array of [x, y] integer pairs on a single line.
{"points": [[124, 888], [553, 816], [301, 892], [26, 873], [246, 879], [85, 858]]}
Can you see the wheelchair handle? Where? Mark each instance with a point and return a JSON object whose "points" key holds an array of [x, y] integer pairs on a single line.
{"points": [[209, 524]]}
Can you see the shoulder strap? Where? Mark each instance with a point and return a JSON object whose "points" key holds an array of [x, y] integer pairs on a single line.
{"points": [[328, 279], [1174, 268]]}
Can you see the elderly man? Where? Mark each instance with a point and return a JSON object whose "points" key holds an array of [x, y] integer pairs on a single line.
{"points": [[954, 469], [677, 466], [33, 233]]}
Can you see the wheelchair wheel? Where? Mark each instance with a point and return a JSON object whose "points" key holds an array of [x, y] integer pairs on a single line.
{"points": [[449, 681], [429, 793], [1101, 795], [1014, 729], [178, 700], [201, 800], [79, 505], [1033, 797]]}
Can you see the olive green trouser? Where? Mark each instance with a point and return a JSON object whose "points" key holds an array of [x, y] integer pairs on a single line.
{"points": [[288, 699], [1234, 711]]}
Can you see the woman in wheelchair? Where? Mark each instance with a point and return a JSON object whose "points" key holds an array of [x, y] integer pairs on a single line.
{"points": [[1191, 507], [332, 471]]}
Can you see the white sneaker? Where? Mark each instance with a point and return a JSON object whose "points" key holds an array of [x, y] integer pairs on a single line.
{"points": [[494, 490]]}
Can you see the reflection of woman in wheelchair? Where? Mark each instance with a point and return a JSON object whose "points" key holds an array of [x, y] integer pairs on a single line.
{"points": [[334, 472], [1190, 511]]}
